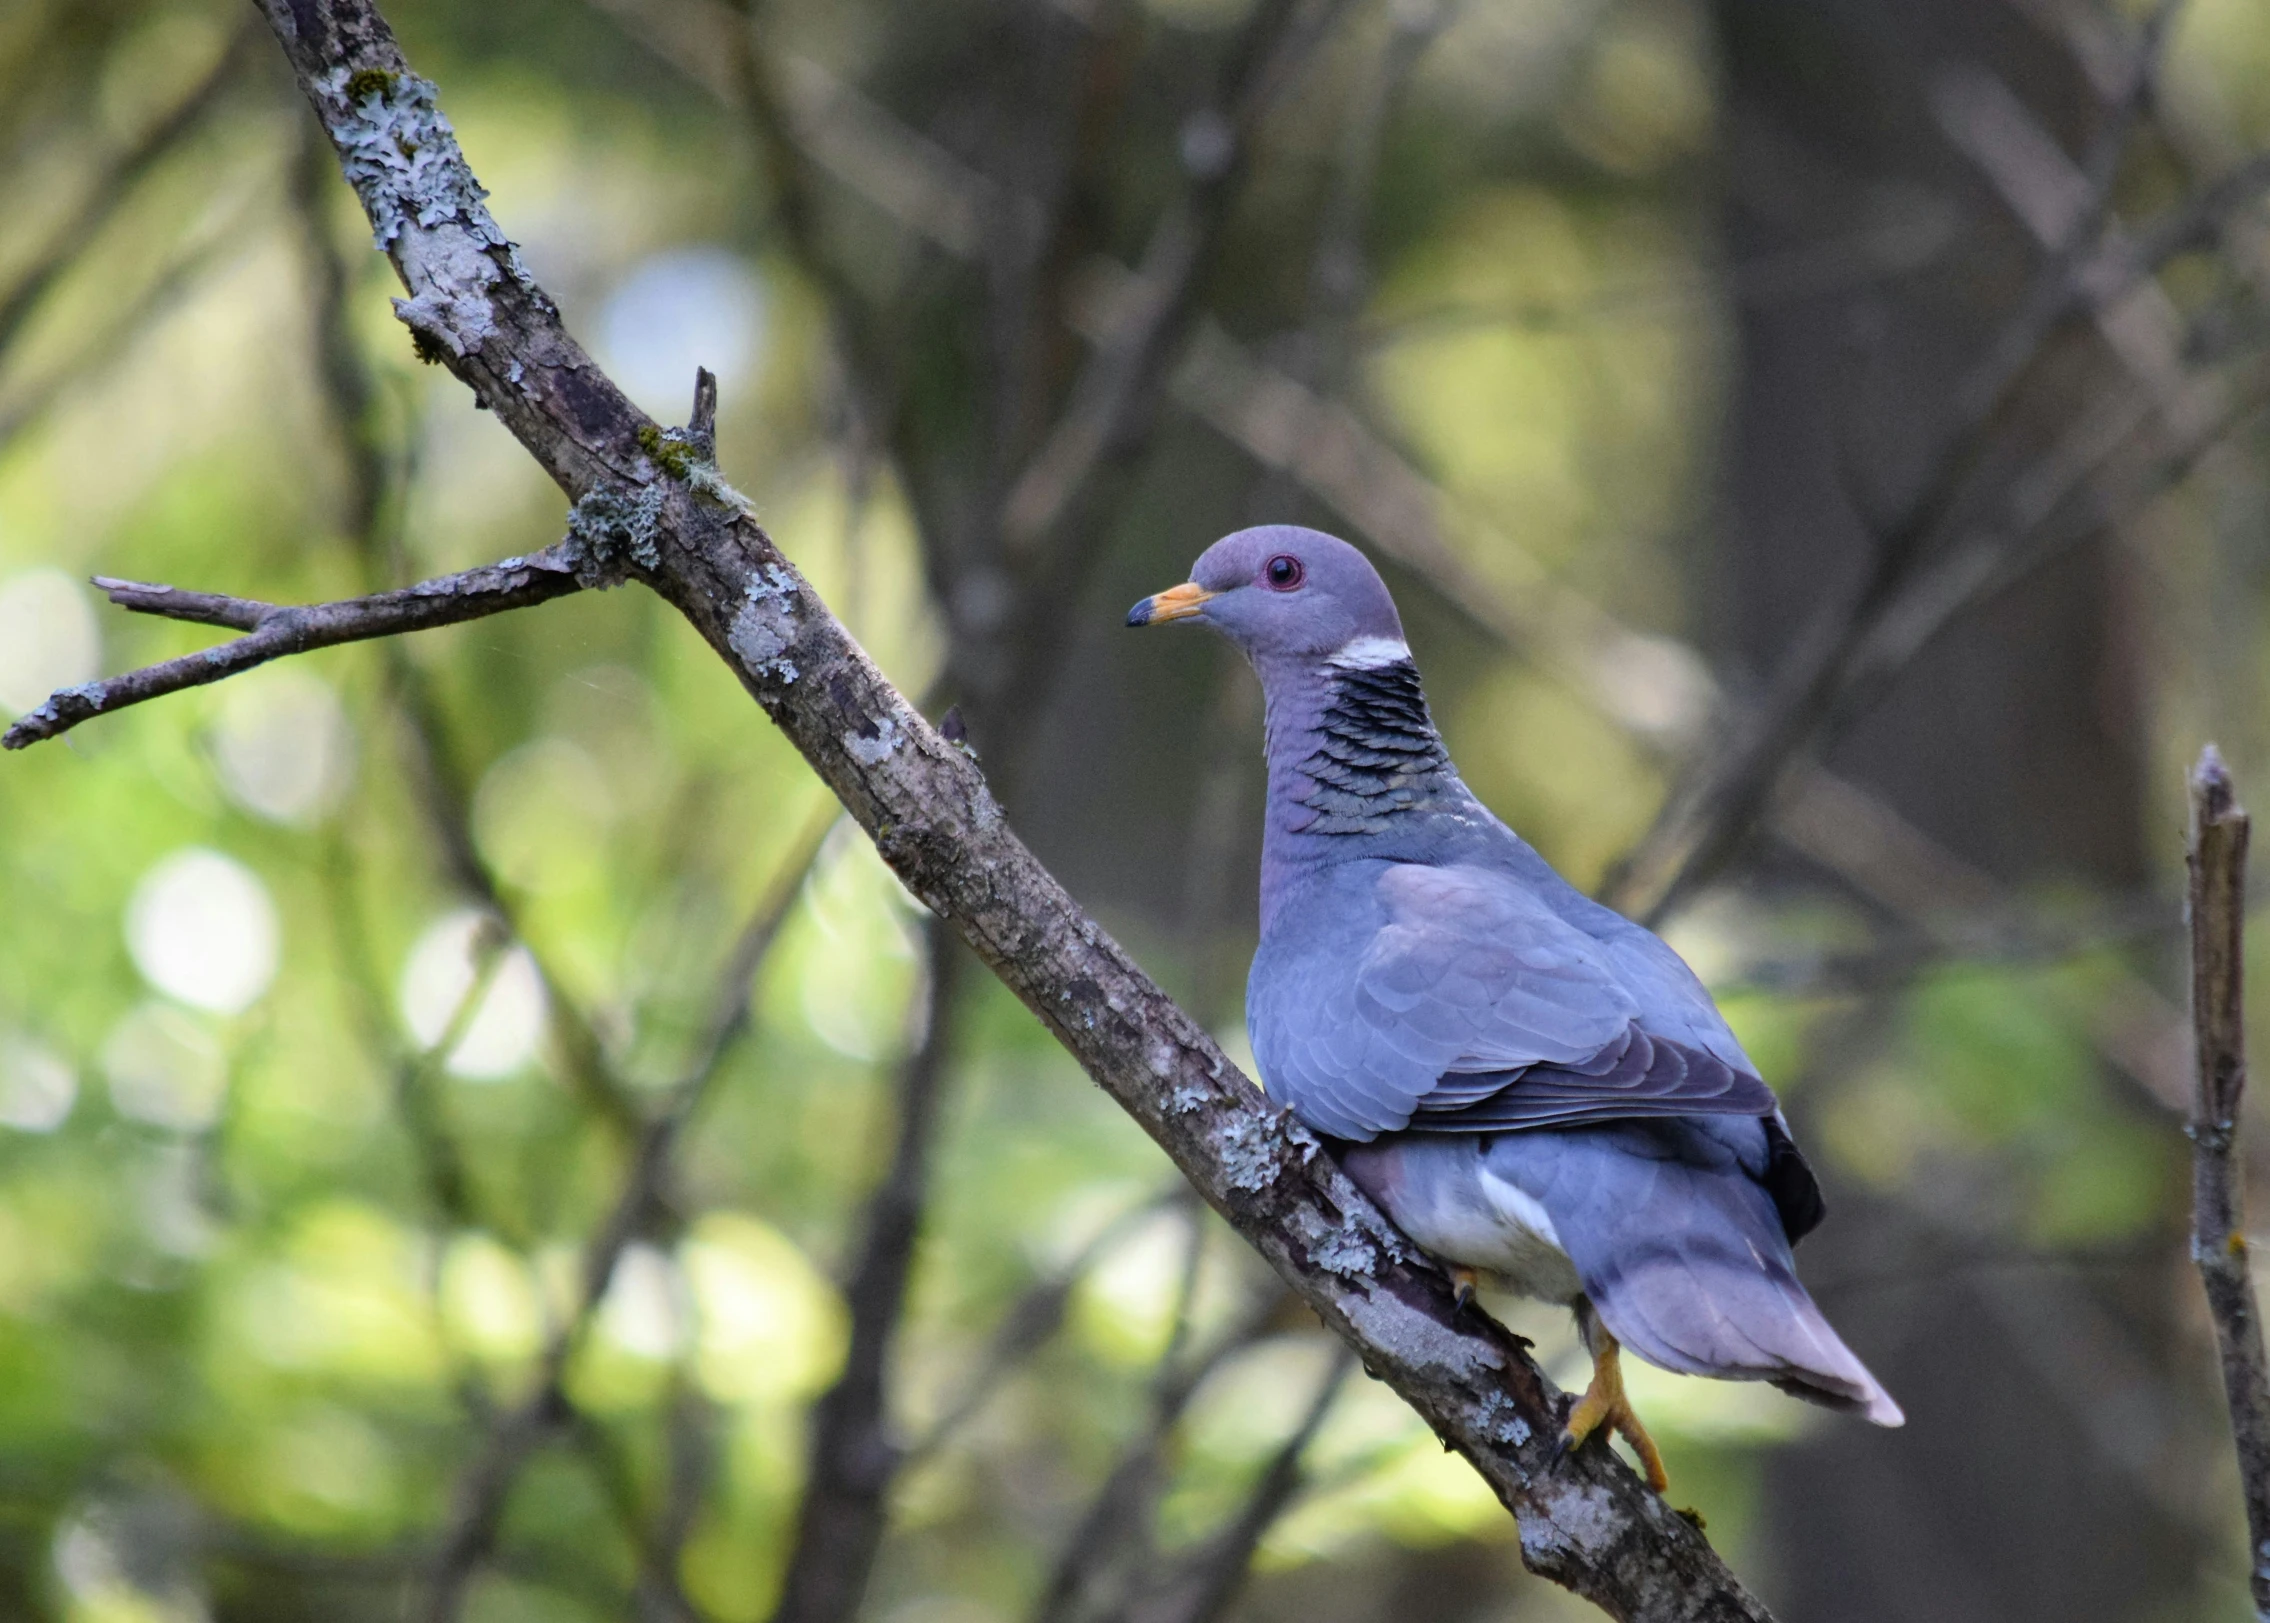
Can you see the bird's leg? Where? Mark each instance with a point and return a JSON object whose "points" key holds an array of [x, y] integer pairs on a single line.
{"points": [[1464, 1282], [1604, 1403]]}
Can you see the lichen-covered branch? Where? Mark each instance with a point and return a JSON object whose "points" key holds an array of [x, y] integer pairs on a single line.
{"points": [[1586, 1522], [2219, 829]]}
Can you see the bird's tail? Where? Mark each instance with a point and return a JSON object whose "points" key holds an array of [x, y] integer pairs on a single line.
{"points": [[1685, 1259], [1716, 1304]]}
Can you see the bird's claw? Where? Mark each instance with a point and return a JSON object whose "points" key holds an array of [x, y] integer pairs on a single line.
{"points": [[1463, 1283], [1605, 1406]]}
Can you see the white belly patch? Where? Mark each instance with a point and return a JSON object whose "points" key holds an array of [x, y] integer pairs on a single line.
{"points": [[1444, 1196]]}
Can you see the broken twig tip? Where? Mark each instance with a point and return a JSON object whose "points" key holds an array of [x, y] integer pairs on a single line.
{"points": [[703, 422], [2212, 792]]}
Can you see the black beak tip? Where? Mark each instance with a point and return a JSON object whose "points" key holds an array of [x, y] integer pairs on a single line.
{"points": [[1140, 614]]}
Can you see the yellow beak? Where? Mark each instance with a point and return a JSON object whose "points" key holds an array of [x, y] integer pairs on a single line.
{"points": [[1175, 603]]}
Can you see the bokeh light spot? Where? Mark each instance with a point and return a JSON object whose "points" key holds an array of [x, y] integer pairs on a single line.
{"points": [[675, 311], [48, 637], [164, 1068], [202, 929], [37, 1086], [771, 1326], [283, 746], [501, 1035]]}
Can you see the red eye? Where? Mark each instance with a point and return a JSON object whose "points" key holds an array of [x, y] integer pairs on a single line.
{"points": [[1283, 572]]}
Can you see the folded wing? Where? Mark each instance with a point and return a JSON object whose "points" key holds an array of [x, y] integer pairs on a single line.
{"points": [[1475, 1006]]}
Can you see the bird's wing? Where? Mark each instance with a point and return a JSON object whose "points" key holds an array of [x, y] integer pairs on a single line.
{"points": [[1474, 1006]]}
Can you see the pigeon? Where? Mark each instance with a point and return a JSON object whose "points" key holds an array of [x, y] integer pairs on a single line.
{"points": [[1534, 1088]]}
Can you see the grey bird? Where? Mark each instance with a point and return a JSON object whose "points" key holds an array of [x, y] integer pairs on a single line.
{"points": [[1532, 1086]]}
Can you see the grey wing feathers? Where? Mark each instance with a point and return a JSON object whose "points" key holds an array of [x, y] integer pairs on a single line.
{"points": [[1681, 1251], [1468, 1000], [1640, 1075]]}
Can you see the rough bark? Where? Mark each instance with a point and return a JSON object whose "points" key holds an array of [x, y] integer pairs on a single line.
{"points": [[1587, 1522]]}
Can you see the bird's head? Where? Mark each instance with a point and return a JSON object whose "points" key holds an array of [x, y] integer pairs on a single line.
{"points": [[1284, 592]]}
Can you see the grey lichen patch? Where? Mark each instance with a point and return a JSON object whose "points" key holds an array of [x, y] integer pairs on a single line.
{"points": [[1384, 1319], [605, 529], [1251, 1152], [1502, 1421], [401, 156], [1303, 1143], [875, 749], [766, 623], [62, 709], [1347, 1254], [1572, 1516], [769, 583]]}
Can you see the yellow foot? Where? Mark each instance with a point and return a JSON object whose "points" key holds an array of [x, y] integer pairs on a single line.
{"points": [[1604, 1404], [1464, 1282]]}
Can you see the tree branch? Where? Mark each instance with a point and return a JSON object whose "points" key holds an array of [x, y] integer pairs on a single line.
{"points": [[2219, 828], [274, 630], [1586, 1522]]}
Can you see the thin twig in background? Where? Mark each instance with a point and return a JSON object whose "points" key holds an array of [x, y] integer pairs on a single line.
{"points": [[117, 181], [2219, 829], [1112, 409], [486, 1483], [1118, 1529], [1031, 1320], [128, 327], [1705, 821], [854, 1455], [1210, 1581], [656, 1594], [1149, 323]]}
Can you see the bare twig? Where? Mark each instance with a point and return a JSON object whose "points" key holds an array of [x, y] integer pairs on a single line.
{"points": [[2219, 828], [1162, 299], [349, 389], [1912, 236], [126, 325], [275, 630], [854, 1456], [1124, 1509]]}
